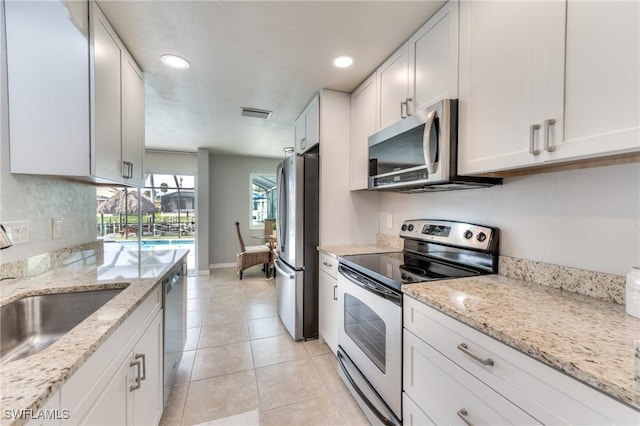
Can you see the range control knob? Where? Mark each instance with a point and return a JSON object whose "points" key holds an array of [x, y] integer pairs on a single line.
{"points": [[468, 234], [481, 237], [404, 227], [410, 227]]}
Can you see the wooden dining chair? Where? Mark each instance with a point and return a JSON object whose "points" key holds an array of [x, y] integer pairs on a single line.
{"points": [[249, 256]]}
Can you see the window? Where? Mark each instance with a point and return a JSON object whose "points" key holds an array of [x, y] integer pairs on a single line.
{"points": [[263, 193], [167, 204]]}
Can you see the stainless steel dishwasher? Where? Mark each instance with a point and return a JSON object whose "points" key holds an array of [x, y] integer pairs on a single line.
{"points": [[173, 302]]}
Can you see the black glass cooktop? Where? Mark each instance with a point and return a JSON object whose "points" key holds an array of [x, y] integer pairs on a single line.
{"points": [[397, 268]]}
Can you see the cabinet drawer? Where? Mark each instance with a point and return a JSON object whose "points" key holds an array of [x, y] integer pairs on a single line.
{"points": [[450, 395], [329, 264], [412, 415], [545, 393]]}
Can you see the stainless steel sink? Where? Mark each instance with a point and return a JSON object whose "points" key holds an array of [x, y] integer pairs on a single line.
{"points": [[33, 323]]}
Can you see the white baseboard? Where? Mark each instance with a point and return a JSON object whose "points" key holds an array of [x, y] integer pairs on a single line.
{"points": [[222, 265], [204, 272]]}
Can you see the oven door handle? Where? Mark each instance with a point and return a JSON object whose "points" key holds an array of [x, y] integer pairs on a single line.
{"points": [[384, 419], [373, 287]]}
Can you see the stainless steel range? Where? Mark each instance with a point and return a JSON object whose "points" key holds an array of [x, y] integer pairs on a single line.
{"points": [[370, 300]]}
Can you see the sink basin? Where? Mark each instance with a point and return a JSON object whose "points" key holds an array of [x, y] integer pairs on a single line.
{"points": [[33, 323]]}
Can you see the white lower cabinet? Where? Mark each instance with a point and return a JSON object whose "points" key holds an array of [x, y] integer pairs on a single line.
{"points": [[328, 301], [121, 383], [450, 395], [450, 369]]}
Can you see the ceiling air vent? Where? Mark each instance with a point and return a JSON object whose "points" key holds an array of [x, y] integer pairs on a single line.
{"points": [[256, 113]]}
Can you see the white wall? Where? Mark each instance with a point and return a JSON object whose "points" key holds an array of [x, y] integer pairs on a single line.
{"points": [[230, 202], [40, 199], [587, 219], [170, 162]]}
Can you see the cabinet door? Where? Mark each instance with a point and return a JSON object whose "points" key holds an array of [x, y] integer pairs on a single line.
{"points": [[312, 117], [327, 309], [511, 80], [433, 58], [300, 134], [363, 125], [132, 120], [147, 400], [393, 87], [602, 105], [106, 85], [48, 87], [113, 407]]}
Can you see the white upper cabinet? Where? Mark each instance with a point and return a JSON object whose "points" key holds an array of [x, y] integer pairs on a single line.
{"points": [[602, 88], [546, 82], [433, 59], [511, 77], [48, 82], [118, 114], [73, 89], [423, 71], [307, 127], [363, 125], [132, 120], [393, 87]]}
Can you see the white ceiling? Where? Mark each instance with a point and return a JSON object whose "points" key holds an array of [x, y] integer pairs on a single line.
{"points": [[272, 55]]}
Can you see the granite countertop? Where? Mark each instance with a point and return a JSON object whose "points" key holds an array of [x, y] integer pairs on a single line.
{"points": [[27, 383], [589, 339], [357, 249]]}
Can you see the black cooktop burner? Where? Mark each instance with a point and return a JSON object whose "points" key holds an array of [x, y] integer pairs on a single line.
{"points": [[397, 268]]}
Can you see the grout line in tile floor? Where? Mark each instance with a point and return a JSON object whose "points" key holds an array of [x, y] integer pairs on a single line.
{"points": [[242, 367]]}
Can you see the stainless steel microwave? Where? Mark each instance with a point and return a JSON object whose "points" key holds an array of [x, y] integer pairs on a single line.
{"points": [[420, 153]]}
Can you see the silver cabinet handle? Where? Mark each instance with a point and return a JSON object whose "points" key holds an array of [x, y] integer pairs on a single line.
{"points": [[408, 102], [547, 135], [465, 349], [335, 287], [144, 366], [532, 135], [138, 379], [403, 109], [462, 413], [127, 169], [327, 264], [303, 143]]}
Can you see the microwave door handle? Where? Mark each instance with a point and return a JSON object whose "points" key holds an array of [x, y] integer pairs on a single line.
{"points": [[426, 143]]}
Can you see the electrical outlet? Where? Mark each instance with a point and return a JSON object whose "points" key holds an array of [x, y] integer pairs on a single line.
{"points": [[18, 231], [56, 228]]}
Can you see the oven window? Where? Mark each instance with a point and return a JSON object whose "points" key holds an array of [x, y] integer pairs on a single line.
{"points": [[366, 329]]}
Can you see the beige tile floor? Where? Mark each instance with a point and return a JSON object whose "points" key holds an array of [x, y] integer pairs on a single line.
{"points": [[241, 367]]}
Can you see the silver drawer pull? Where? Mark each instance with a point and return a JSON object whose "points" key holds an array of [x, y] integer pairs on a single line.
{"points": [[327, 264], [462, 413], [465, 349]]}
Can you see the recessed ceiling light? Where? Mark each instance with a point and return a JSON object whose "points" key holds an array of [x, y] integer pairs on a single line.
{"points": [[175, 61], [343, 61]]}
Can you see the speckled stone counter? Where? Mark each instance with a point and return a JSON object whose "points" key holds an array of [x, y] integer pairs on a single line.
{"points": [[27, 383], [589, 339], [355, 249]]}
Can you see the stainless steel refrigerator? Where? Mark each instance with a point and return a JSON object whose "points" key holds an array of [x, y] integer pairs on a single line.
{"points": [[297, 241]]}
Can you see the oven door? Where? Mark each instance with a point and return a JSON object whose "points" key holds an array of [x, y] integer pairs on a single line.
{"points": [[370, 334]]}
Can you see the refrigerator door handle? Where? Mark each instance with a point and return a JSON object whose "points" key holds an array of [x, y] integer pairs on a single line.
{"points": [[282, 271], [281, 228]]}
